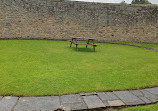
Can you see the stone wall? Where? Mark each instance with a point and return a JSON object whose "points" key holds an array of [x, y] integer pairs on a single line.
{"points": [[52, 19]]}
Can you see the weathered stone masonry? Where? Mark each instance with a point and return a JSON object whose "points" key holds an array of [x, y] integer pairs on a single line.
{"points": [[50, 19]]}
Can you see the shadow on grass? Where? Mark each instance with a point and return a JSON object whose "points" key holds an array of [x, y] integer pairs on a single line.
{"points": [[80, 49]]}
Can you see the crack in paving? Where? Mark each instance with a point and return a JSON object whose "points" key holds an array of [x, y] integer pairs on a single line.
{"points": [[15, 104]]}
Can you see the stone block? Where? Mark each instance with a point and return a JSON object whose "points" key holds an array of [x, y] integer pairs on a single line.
{"points": [[137, 93], [74, 106], [1, 97], [141, 95], [128, 98], [71, 98], [147, 101], [116, 103], [73, 102], [153, 90], [48, 103], [107, 96], [93, 102], [7, 103], [153, 98]]}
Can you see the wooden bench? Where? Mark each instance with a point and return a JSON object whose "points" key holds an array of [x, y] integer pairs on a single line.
{"points": [[79, 41]]}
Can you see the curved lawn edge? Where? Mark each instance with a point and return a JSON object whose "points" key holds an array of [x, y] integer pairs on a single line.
{"points": [[148, 48], [83, 101], [93, 92]]}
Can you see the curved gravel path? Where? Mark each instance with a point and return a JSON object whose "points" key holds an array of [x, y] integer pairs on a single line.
{"points": [[82, 101]]}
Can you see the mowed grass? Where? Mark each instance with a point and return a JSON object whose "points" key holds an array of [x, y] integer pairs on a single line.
{"points": [[40, 67], [153, 107], [155, 46]]}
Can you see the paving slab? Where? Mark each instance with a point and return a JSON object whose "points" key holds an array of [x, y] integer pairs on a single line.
{"points": [[112, 95], [73, 102], [137, 93], [116, 103], [106, 103], [153, 98], [1, 97], [73, 98], [48, 103], [153, 90], [128, 98], [7, 103], [141, 95], [147, 94], [104, 98], [107, 96], [74, 106], [146, 100], [93, 102]]}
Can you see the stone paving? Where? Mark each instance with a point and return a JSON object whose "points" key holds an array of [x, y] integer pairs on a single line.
{"points": [[80, 101]]}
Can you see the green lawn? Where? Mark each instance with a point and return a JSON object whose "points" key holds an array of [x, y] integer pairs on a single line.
{"points": [[153, 107], [40, 67], [155, 46]]}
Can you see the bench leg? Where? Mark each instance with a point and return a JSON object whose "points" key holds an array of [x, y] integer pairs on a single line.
{"points": [[76, 47], [94, 48], [71, 44], [87, 44]]}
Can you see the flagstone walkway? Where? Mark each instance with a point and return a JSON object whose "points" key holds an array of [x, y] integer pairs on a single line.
{"points": [[80, 101]]}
